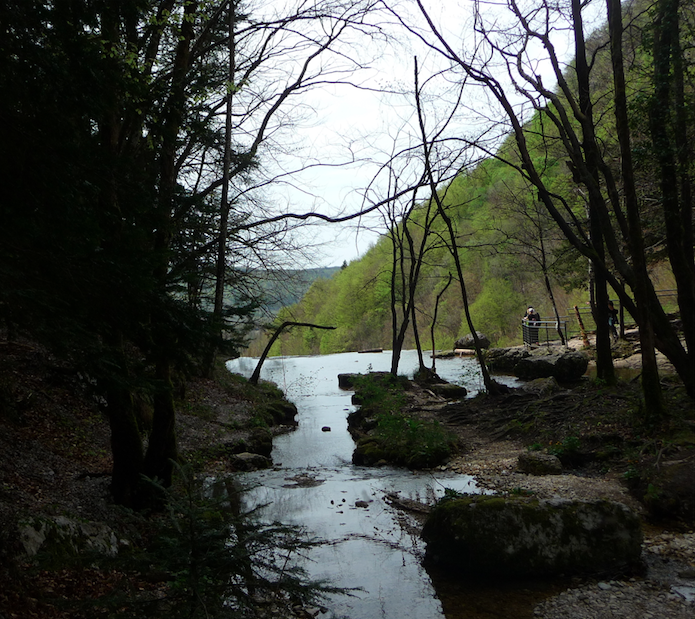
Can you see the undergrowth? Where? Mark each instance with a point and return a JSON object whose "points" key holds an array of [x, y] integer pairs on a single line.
{"points": [[397, 437], [206, 558]]}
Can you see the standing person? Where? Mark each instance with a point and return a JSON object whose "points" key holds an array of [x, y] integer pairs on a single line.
{"points": [[530, 322], [612, 320]]}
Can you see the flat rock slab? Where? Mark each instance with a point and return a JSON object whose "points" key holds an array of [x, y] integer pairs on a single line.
{"points": [[519, 537], [565, 367]]}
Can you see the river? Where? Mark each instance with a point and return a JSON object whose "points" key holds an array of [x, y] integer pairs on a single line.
{"points": [[368, 546]]}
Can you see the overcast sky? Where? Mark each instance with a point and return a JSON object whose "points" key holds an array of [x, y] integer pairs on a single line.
{"points": [[347, 122]]}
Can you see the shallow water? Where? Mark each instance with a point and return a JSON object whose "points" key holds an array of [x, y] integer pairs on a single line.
{"points": [[314, 484]]}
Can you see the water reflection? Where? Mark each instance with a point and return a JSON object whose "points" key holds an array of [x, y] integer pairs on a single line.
{"points": [[369, 546]]}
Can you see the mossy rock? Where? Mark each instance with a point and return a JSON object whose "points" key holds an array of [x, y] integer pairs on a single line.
{"points": [[450, 391], [280, 412], [537, 463], [249, 462], [519, 537], [347, 380], [368, 452], [60, 538], [259, 441]]}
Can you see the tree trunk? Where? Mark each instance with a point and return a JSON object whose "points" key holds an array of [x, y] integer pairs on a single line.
{"points": [[490, 386], [126, 444], [221, 261], [668, 109], [162, 444], [126, 448], [396, 340], [604, 358], [434, 320], [651, 386], [416, 335], [162, 449]]}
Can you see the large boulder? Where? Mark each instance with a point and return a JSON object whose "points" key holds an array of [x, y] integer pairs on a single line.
{"points": [[542, 386], [505, 359], [667, 491], [519, 537], [565, 367], [60, 537], [259, 441], [467, 341]]}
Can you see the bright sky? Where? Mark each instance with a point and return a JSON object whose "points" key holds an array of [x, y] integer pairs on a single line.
{"points": [[349, 122]]}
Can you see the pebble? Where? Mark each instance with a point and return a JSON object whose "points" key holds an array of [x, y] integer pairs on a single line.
{"points": [[601, 602]]}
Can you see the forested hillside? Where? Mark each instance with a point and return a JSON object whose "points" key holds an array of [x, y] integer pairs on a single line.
{"points": [[499, 250], [555, 216], [280, 288]]}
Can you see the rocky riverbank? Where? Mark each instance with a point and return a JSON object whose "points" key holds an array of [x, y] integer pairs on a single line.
{"points": [[597, 434], [666, 590], [54, 459]]}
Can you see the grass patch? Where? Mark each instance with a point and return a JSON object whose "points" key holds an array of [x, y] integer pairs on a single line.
{"points": [[396, 437]]}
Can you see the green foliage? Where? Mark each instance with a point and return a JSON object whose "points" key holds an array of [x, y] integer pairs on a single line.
{"points": [[380, 393], [413, 442], [400, 438], [494, 306], [450, 495], [567, 448]]}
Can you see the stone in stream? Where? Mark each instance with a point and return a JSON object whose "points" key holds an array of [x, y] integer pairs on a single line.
{"points": [[518, 536], [249, 461]]}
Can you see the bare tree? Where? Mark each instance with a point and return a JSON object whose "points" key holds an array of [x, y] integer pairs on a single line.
{"points": [[491, 386], [515, 51]]}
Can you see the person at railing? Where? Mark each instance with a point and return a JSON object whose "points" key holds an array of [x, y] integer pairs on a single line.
{"points": [[530, 325], [612, 320]]}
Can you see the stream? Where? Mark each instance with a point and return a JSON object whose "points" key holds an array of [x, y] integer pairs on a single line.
{"points": [[367, 545]]}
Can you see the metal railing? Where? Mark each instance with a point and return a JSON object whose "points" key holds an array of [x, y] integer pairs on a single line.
{"points": [[543, 332]]}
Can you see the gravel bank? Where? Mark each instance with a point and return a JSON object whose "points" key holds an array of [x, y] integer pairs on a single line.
{"points": [[666, 590]]}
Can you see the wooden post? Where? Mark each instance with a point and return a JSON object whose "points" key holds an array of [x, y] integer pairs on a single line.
{"points": [[581, 327]]}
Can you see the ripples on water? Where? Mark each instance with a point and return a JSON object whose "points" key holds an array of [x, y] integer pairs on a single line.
{"points": [[314, 484]]}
